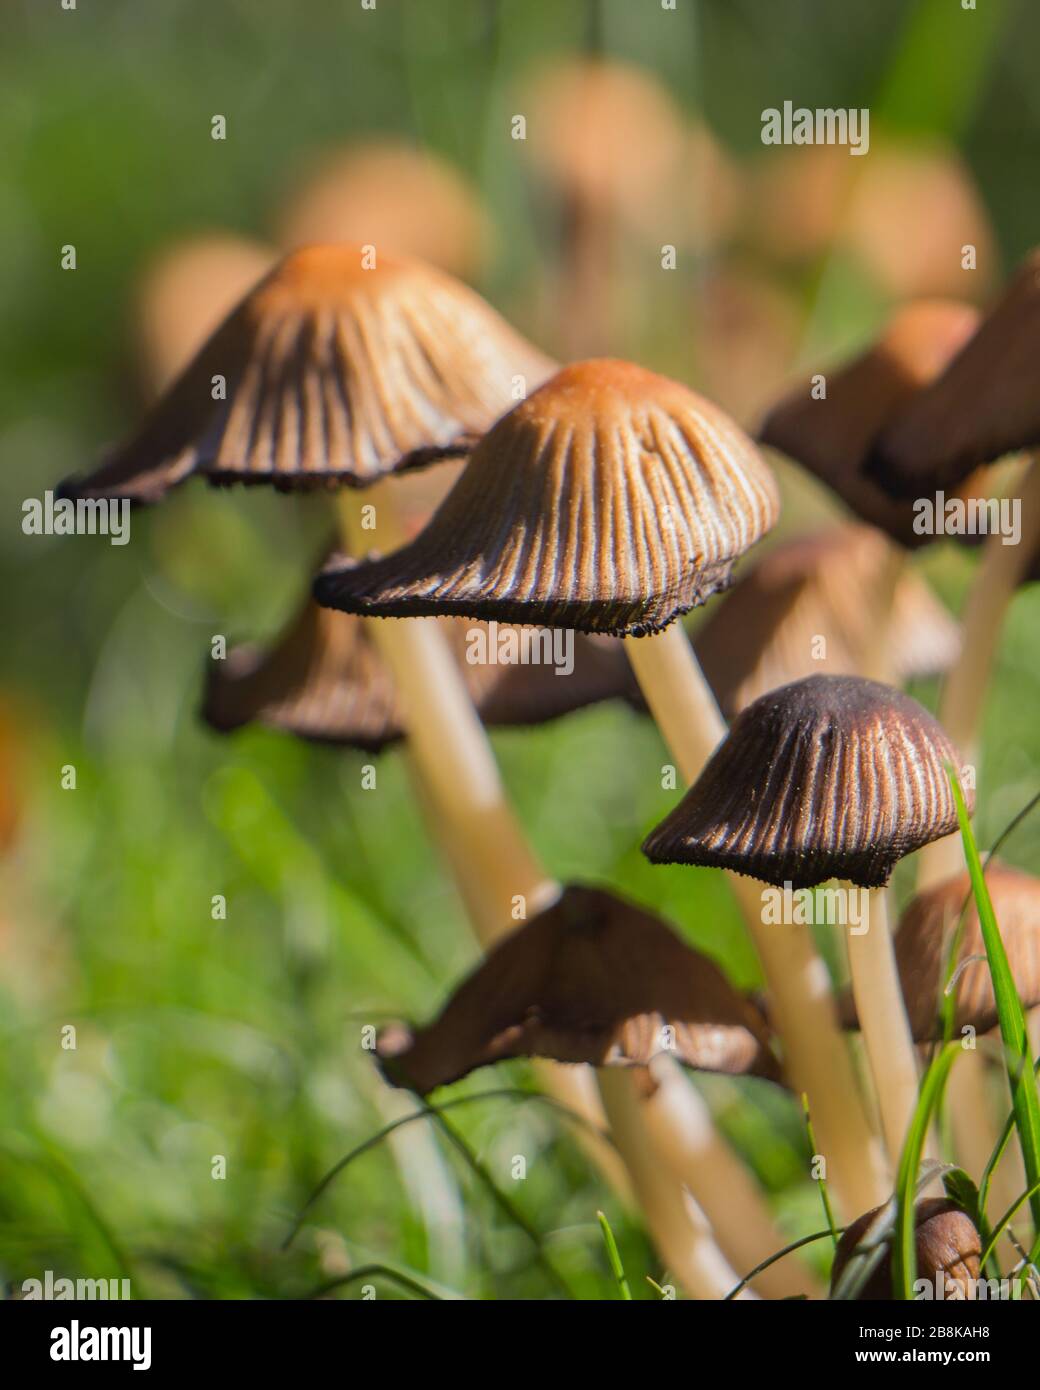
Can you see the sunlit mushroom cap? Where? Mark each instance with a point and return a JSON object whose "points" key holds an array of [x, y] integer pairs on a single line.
{"points": [[333, 373], [947, 1244], [809, 607], [829, 777], [387, 194], [185, 293], [984, 404], [324, 679], [832, 437], [924, 941], [611, 500], [592, 979]]}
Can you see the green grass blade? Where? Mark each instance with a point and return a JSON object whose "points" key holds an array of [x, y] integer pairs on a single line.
{"points": [[828, 1210], [614, 1257], [1017, 1055], [904, 1253]]}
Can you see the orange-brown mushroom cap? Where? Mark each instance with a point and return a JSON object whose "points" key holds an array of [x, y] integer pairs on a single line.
{"points": [[982, 406], [592, 979], [832, 437], [925, 937], [829, 777], [324, 679], [329, 372], [767, 631], [611, 500], [947, 1245]]}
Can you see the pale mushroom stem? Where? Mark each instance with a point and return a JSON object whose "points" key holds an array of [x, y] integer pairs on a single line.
{"points": [[877, 659], [802, 1001], [883, 1020], [963, 697], [504, 882], [671, 1215]]}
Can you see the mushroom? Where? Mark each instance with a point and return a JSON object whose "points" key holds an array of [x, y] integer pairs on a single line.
{"points": [[829, 777], [947, 1244], [613, 500], [591, 979], [982, 407], [923, 945], [809, 606], [340, 367]]}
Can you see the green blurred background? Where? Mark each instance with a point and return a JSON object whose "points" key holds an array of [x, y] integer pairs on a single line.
{"points": [[240, 1037]]}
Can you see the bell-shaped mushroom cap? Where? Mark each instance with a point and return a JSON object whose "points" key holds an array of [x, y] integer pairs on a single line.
{"points": [[947, 1245], [829, 777], [592, 979], [324, 679], [332, 373], [611, 500], [924, 940], [983, 405], [184, 295], [388, 194], [832, 437], [767, 631]]}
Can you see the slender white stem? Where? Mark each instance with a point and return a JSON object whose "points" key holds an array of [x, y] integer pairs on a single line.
{"points": [[802, 1000], [883, 1021], [877, 660], [671, 1216]]}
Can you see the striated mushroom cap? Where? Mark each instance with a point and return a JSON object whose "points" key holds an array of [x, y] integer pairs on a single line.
{"points": [[334, 374], [611, 500], [324, 679], [832, 437], [592, 979], [829, 777], [766, 631], [983, 405], [924, 939], [947, 1244]]}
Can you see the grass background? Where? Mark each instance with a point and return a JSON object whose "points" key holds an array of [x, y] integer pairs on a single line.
{"points": [[241, 1037]]}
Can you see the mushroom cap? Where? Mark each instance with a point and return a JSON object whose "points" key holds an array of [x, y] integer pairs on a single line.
{"points": [[765, 632], [832, 437], [611, 500], [387, 193], [185, 293], [925, 936], [946, 1240], [983, 405], [828, 777], [591, 979], [334, 374], [324, 679]]}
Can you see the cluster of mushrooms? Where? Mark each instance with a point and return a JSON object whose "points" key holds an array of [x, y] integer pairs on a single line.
{"points": [[601, 498]]}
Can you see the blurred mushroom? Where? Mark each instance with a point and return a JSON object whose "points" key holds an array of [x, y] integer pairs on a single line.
{"points": [[592, 979], [613, 500], [829, 777], [388, 194], [185, 293], [807, 607], [327, 373], [948, 1248]]}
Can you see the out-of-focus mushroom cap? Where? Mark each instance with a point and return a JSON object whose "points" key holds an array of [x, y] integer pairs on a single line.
{"points": [[390, 195], [983, 405], [829, 777], [767, 631], [333, 373], [611, 500], [947, 1242], [592, 979], [185, 293], [324, 679], [833, 437], [924, 940]]}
